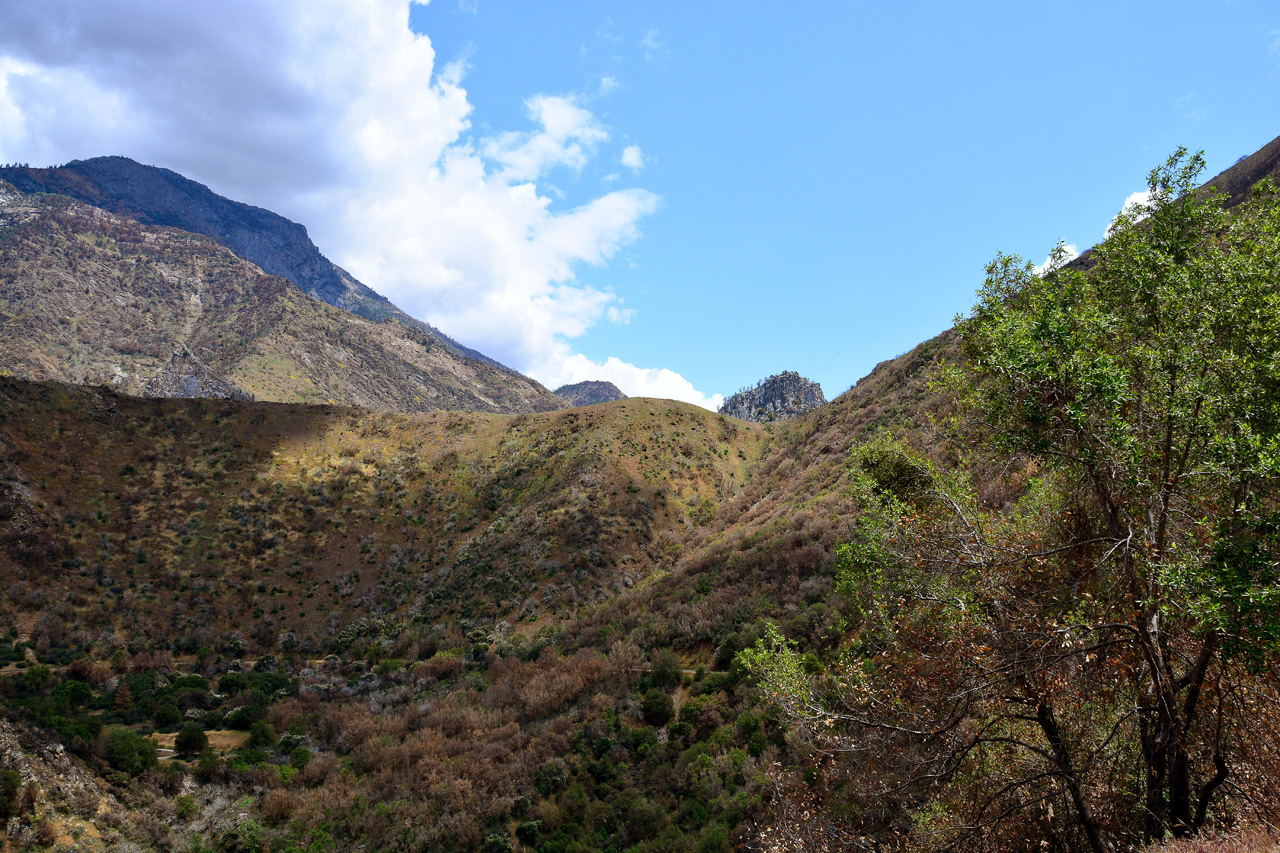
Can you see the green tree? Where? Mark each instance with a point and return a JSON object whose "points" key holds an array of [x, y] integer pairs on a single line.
{"points": [[1102, 613], [666, 671], [657, 707], [166, 716], [130, 752], [191, 740]]}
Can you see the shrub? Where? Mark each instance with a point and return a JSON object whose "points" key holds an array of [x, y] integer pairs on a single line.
{"points": [[667, 671], [278, 805], [498, 842], [191, 740], [166, 716], [657, 707], [10, 785], [185, 807], [529, 832], [130, 752], [261, 735], [243, 717]]}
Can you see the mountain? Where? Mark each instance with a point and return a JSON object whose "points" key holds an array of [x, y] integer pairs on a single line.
{"points": [[589, 393], [472, 631], [779, 397], [88, 296], [156, 196]]}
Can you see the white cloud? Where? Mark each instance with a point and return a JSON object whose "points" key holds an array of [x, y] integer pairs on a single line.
{"points": [[633, 158], [568, 137], [631, 380], [608, 84], [1133, 204], [333, 113], [653, 49], [1071, 252]]}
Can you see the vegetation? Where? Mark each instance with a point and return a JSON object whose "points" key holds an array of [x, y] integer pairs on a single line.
{"points": [[1012, 591], [1106, 606]]}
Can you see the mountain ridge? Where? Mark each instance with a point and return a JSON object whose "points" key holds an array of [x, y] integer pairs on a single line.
{"points": [[90, 296], [153, 195]]}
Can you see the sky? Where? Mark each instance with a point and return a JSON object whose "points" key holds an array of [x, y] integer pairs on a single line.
{"points": [[680, 198]]}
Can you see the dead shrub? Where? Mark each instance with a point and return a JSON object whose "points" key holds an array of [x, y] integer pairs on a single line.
{"points": [[278, 805]]}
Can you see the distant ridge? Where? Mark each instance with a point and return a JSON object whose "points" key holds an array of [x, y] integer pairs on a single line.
{"points": [[589, 393], [156, 196], [776, 398], [91, 297]]}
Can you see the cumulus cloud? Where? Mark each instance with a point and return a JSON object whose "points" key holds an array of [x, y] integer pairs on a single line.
{"points": [[633, 158], [1070, 252], [633, 381], [1134, 203], [335, 114], [568, 137]]}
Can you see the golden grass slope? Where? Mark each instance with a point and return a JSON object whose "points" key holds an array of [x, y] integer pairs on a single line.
{"points": [[207, 518]]}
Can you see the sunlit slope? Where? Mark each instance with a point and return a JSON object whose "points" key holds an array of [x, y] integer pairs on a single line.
{"points": [[89, 297], [203, 518]]}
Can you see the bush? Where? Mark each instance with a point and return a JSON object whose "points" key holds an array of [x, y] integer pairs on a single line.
{"points": [[278, 805], [299, 757], [166, 716], [499, 842], [658, 708], [243, 717], [191, 740], [667, 671], [529, 832], [186, 807], [261, 735], [10, 785], [191, 682], [130, 752]]}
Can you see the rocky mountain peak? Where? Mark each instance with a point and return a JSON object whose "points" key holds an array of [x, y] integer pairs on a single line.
{"points": [[589, 393], [775, 398]]}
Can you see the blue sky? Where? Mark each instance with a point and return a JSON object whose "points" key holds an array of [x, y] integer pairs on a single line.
{"points": [[834, 176], [811, 187]]}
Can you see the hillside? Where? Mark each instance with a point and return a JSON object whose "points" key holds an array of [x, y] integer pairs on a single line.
{"points": [[537, 577], [480, 631], [590, 393], [91, 297], [459, 514], [155, 196]]}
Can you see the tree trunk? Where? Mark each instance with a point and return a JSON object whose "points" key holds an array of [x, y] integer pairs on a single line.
{"points": [[1098, 838]]}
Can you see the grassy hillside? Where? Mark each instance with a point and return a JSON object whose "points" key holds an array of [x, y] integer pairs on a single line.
{"points": [[341, 514], [496, 632]]}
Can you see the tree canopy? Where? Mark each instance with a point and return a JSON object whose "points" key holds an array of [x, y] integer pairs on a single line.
{"points": [[1069, 591]]}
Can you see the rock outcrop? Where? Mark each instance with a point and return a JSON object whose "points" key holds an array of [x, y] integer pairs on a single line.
{"points": [[187, 376], [589, 393], [776, 398]]}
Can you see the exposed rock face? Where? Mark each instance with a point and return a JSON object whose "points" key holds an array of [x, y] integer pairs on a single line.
{"points": [[60, 785], [155, 196], [187, 376], [776, 398], [589, 393]]}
